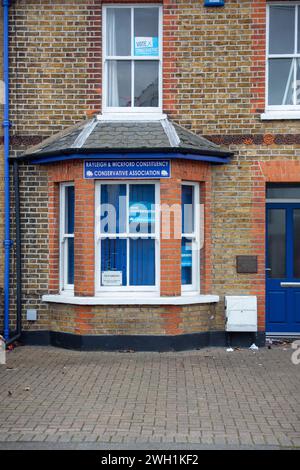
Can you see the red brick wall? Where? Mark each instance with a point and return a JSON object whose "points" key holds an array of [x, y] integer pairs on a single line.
{"points": [[170, 194]]}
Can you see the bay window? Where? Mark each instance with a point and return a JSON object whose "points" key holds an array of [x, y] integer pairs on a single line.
{"points": [[132, 51], [190, 237], [283, 57], [127, 236], [67, 206]]}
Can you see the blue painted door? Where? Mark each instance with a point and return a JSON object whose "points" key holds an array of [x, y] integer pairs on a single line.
{"points": [[283, 268]]}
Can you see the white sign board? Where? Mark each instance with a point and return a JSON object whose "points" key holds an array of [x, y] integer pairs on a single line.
{"points": [[111, 278]]}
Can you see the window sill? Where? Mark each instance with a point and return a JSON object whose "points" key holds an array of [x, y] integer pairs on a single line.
{"points": [[134, 300], [131, 116], [279, 115]]}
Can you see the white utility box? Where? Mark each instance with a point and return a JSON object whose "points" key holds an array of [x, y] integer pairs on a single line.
{"points": [[241, 312], [31, 314]]}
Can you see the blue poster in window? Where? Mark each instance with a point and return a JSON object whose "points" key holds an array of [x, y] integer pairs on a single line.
{"points": [[186, 255], [142, 212], [146, 46], [137, 169]]}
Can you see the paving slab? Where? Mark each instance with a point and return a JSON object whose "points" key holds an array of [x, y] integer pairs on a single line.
{"points": [[205, 398]]}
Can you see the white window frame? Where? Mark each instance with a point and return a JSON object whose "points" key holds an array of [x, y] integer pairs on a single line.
{"points": [[139, 111], [127, 235], [281, 109], [64, 287], [195, 236]]}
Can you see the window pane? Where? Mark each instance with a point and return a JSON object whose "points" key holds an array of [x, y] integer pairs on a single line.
{"points": [[142, 262], [282, 29], [186, 261], [141, 208], [277, 243], [69, 209], [297, 243], [146, 31], [187, 201], [146, 22], [70, 254], [118, 32], [146, 83], [281, 81], [113, 259], [113, 208], [283, 191], [119, 83]]}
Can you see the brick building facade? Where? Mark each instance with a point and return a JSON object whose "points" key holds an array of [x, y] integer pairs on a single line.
{"points": [[213, 85]]}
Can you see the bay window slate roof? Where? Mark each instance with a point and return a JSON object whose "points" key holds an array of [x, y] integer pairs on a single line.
{"points": [[100, 136], [117, 135]]}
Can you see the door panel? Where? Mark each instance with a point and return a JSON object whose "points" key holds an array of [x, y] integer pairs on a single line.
{"points": [[296, 317], [277, 243], [277, 307], [283, 266]]}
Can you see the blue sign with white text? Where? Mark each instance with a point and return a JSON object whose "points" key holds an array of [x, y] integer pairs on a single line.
{"points": [[186, 256], [214, 3], [146, 46], [109, 169]]}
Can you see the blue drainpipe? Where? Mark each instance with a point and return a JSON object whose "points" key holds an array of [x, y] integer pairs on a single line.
{"points": [[6, 126]]}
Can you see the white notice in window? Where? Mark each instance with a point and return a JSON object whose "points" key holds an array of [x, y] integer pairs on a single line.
{"points": [[111, 278]]}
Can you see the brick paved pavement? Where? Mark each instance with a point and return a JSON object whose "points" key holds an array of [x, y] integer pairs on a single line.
{"points": [[210, 397]]}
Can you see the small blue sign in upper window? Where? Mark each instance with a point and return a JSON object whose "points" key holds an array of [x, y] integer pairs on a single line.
{"points": [[214, 3]]}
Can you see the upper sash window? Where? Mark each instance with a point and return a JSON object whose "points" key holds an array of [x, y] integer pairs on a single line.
{"points": [[283, 57], [132, 41]]}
